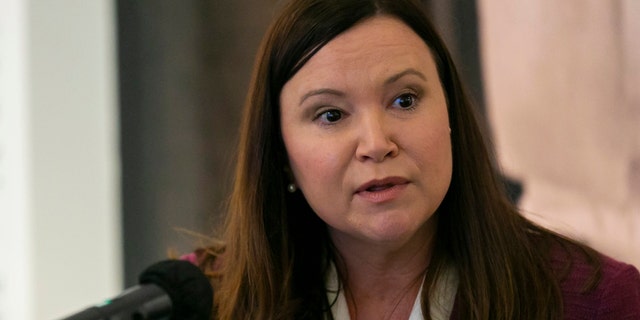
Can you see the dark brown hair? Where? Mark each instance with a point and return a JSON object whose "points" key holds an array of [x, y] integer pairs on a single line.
{"points": [[277, 251]]}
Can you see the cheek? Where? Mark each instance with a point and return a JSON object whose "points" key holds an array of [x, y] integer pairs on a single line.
{"points": [[311, 162], [441, 146], [301, 164], [434, 154]]}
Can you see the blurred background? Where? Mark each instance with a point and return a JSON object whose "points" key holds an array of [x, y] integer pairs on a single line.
{"points": [[118, 123]]}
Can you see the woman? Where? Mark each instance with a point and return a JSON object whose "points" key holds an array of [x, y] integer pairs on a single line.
{"points": [[364, 189]]}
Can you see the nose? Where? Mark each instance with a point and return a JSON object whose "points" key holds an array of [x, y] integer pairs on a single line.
{"points": [[375, 141]]}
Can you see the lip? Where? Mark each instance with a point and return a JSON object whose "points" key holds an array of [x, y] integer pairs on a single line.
{"points": [[382, 190]]}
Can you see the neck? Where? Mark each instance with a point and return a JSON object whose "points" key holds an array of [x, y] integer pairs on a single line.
{"points": [[383, 279]]}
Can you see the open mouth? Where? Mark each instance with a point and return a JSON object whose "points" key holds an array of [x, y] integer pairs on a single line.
{"points": [[381, 185], [382, 191], [379, 188]]}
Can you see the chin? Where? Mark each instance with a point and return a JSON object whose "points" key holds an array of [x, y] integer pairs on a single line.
{"points": [[400, 231], [394, 232]]}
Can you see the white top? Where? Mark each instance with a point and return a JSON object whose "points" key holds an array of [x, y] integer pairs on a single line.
{"points": [[440, 308]]}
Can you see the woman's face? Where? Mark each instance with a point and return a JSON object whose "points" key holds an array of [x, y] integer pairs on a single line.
{"points": [[366, 130]]}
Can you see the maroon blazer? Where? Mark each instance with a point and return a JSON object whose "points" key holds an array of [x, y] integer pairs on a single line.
{"points": [[616, 297]]}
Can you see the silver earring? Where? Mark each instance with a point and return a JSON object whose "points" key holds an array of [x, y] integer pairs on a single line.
{"points": [[291, 187]]}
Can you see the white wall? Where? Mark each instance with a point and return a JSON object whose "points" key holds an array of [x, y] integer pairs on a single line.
{"points": [[562, 81], [58, 157], [15, 269]]}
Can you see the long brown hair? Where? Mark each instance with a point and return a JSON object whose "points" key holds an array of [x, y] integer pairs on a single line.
{"points": [[277, 251]]}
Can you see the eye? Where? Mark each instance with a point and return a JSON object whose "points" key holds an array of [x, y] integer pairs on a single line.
{"points": [[405, 101], [330, 116]]}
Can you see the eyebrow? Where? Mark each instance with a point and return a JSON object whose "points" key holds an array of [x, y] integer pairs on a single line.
{"points": [[399, 75], [392, 79], [321, 92]]}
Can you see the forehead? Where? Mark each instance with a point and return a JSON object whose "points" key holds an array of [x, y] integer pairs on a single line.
{"points": [[379, 44], [378, 30]]}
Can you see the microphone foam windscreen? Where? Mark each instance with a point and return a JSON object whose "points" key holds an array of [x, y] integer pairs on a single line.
{"points": [[189, 289]]}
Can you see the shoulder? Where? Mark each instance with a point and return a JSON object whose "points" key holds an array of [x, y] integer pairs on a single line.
{"points": [[597, 287], [619, 290]]}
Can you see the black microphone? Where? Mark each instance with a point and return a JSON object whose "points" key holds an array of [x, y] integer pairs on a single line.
{"points": [[171, 289]]}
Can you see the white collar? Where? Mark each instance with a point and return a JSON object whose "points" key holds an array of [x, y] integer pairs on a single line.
{"points": [[440, 309]]}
